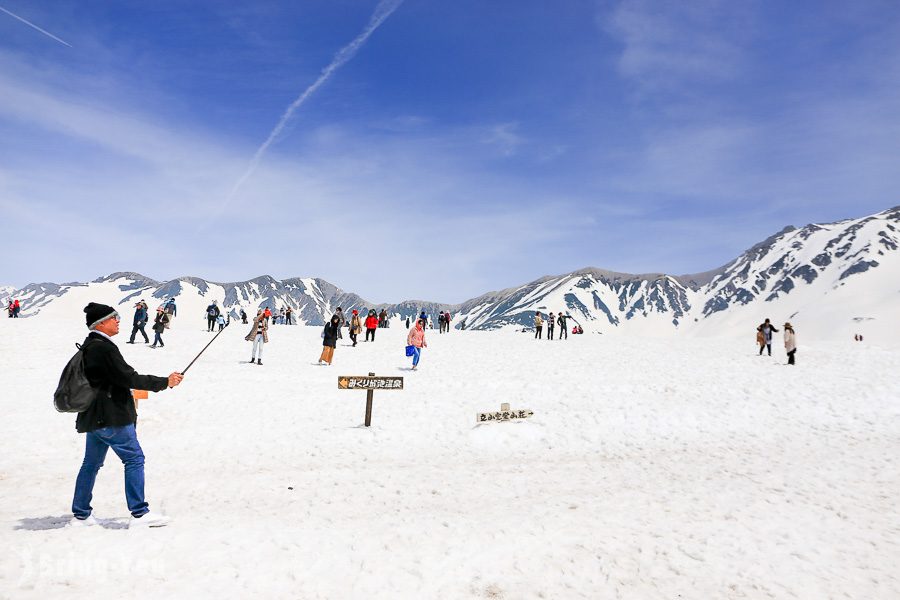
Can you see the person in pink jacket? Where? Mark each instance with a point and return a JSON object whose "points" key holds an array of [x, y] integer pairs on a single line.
{"points": [[416, 339]]}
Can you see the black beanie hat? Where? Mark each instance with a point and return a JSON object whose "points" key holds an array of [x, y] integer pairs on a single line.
{"points": [[97, 313]]}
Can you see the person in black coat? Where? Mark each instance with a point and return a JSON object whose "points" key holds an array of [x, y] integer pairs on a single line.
{"points": [[329, 339], [110, 421]]}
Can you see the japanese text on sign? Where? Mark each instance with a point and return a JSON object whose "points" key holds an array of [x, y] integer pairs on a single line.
{"points": [[370, 383], [504, 415]]}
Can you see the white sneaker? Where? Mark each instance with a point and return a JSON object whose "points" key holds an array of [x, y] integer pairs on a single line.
{"points": [[148, 519], [88, 522]]}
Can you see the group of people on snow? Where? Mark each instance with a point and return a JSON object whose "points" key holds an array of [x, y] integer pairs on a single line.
{"points": [[13, 309], [552, 320], [164, 315], [764, 339]]}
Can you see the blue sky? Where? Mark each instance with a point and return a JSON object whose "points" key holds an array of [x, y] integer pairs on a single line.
{"points": [[465, 147]]}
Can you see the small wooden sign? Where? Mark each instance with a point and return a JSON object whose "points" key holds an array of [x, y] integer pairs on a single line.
{"points": [[361, 382], [504, 414], [369, 384]]}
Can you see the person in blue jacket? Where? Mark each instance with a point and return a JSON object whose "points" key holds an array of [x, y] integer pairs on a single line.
{"points": [[140, 320]]}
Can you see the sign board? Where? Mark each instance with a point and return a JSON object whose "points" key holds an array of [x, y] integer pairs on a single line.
{"points": [[504, 414], [360, 382], [369, 384]]}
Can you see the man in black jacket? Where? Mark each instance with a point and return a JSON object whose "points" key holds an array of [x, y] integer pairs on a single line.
{"points": [[110, 421]]}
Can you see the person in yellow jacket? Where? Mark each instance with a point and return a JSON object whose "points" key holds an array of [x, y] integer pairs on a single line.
{"points": [[538, 325]]}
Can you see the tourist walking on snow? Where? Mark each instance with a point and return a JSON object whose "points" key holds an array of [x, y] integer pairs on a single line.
{"points": [[765, 339], [17, 308], [220, 321], [790, 342], [538, 325], [243, 317], [355, 326], [259, 335], [140, 320], [383, 318], [329, 339], [289, 316], [212, 311], [550, 324], [171, 309], [110, 421], [416, 339], [159, 326], [371, 325]]}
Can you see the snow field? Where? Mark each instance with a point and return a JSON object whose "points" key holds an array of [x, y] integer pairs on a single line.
{"points": [[651, 469]]}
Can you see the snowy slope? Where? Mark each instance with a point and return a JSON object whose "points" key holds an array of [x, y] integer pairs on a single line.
{"points": [[648, 470]]}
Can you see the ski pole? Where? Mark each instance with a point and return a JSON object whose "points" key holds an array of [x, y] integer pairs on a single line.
{"points": [[204, 350]]}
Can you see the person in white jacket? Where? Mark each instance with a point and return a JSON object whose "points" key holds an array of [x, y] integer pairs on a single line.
{"points": [[790, 342]]}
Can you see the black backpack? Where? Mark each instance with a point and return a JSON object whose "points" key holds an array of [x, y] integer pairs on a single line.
{"points": [[74, 392]]}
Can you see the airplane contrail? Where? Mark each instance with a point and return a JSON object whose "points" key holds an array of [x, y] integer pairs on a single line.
{"points": [[30, 24], [384, 9]]}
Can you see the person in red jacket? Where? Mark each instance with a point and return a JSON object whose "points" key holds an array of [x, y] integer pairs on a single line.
{"points": [[371, 325]]}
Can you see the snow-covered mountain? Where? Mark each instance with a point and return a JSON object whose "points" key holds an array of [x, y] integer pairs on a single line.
{"points": [[839, 277], [835, 278], [6, 292]]}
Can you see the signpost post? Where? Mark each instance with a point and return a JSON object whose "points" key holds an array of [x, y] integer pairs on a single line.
{"points": [[370, 384]]}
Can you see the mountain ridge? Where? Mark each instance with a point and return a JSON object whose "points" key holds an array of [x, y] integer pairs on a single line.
{"points": [[797, 266]]}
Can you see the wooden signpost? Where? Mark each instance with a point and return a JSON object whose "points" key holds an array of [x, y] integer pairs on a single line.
{"points": [[504, 414], [370, 384]]}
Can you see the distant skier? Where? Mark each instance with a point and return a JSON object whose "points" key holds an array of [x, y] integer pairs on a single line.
{"points": [[790, 342], [140, 320], [329, 339], [416, 339], [538, 325], [212, 311], [259, 335], [550, 324], [765, 341], [371, 325]]}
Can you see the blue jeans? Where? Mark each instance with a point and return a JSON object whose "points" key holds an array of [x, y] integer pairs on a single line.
{"points": [[123, 440], [157, 339], [417, 354]]}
